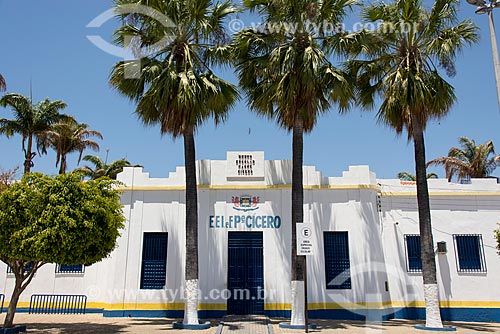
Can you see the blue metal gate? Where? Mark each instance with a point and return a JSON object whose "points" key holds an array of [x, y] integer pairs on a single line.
{"points": [[58, 304], [246, 273]]}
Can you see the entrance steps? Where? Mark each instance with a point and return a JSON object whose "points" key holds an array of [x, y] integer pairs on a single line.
{"points": [[244, 324]]}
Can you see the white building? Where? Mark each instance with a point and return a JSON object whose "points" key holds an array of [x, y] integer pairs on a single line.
{"points": [[365, 246]]}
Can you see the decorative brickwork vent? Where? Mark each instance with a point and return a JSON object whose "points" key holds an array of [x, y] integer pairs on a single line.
{"points": [[247, 166]]}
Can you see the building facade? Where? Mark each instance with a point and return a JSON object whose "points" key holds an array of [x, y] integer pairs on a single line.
{"points": [[361, 234]]}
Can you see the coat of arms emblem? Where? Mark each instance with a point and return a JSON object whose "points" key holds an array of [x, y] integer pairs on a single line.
{"points": [[245, 202]]}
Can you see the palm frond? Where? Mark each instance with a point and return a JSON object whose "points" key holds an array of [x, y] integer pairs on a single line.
{"points": [[3, 85], [470, 161], [69, 136], [400, 57], [405, 176], [174, 86]]}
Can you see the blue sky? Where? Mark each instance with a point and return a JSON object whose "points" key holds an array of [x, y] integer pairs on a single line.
{"points": [[45, 41]]}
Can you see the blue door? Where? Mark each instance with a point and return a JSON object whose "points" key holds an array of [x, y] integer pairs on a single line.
{"points": [[246, 273]]}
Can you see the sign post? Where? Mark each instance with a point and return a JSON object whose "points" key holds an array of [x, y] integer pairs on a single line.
{"points": [[305, 248]]}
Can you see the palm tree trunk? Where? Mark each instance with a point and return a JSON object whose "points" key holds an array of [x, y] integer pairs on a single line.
{"points": [[28, 155], [191, 268], [298, 262], [62, 167], [431, 295]]}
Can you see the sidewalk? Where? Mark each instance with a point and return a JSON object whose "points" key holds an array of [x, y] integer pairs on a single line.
{"points": [[245, 325], [97, 324], [386, 327]]}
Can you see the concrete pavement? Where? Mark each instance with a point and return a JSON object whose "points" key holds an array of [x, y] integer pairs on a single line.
{"points": [[245, 325]]}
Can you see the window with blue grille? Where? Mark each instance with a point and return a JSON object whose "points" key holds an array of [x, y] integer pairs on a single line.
{"points": [[469, 253], [337, 263], [413, 257], [27, 268], [70, 269], [154, 260]]}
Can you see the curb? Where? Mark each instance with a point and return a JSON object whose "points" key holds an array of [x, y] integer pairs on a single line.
{"points": [[180, 325], [288, 326], [219, 328], [444, 329]]}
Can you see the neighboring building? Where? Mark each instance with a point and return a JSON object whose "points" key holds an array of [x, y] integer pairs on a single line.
{"points": [[363, 237]]}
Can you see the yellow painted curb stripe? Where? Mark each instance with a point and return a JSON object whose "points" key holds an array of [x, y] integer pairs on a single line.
{"points": [[143, 306], [19, 304], [283, 306], [349, 306], [277, 307], [466, 304], [212, 307]]}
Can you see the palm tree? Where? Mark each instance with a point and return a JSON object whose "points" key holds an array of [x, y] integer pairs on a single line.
{"points": [[30, 121], [67, 137], [470, 161], [3, 85], [400, 66], [285, 70], [405, 176], [101, 168], [176, 89]]}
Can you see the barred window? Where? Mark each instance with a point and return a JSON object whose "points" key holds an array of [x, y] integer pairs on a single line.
{"points": [[27, 268], [70, 269], [469, 253], [154, 260], [413, 257], [337, 263]]}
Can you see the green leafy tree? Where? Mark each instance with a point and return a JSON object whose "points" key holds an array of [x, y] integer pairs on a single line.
{"points": [[67, 137], [400, 66], [405, 176], [101, 168], [174, 87], [30, 121], [286, 72], [469, 161], [56, 220]]}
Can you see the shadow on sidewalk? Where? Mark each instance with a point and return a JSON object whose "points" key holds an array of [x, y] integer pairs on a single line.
{"points": [[394, 323], [72, 328], [165, 323]]}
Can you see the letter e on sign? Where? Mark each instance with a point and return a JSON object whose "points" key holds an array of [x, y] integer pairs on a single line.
{"points": [[304, 239]]}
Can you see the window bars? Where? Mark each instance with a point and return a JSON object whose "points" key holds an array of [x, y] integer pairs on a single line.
{"points": [[154, 260], [413, 255], [27, 268], [70, 269], [337, 263], [469, 253]]}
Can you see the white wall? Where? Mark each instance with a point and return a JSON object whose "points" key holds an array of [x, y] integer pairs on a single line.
{"points": [[456, 209], [376, 213]]}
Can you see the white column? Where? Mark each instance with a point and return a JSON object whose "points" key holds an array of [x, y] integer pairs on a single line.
{"points": [[191, 303], [432, 315], [298, 312]]}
